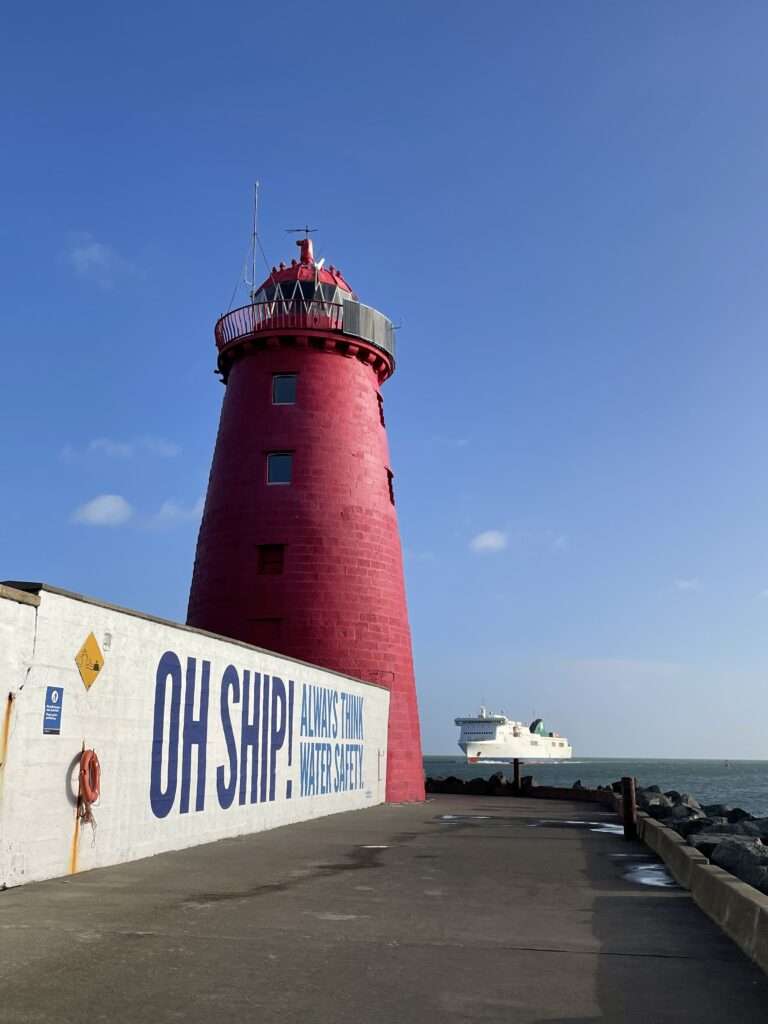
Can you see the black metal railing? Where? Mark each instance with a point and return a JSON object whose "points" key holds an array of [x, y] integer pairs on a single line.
{"points": [[349, 317]]}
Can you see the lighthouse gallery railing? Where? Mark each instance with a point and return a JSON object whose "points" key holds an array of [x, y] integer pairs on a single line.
{"points": [[349, 317]]}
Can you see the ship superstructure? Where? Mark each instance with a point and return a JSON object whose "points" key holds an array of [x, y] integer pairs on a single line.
{"points": [[488, 736]]}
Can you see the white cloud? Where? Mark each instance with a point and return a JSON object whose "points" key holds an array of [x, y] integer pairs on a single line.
{"points": [[683, 584], [111, 449], [106, 510], [158, 446], [98, 264], [491, 540], [171, 513]]}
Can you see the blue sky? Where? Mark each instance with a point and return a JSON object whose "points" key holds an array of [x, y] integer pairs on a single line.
{"points": [[565, 202]]}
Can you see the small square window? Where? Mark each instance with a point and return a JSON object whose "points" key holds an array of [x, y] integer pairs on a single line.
{"points": [[279, 466], [270, 558], [284, 389]]}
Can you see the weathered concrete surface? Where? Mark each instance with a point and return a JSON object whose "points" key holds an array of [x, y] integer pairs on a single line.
{"points": [[392, 913]]}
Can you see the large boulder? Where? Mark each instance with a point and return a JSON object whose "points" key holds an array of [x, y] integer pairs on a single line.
{"points": [[651, 801], [683, 800], [500, 785], [717, 810], [708, 842], [733, 814], [745, 827], [448, 785], [668, 807], [680, 807], [746, 860], [680, 812], [739, 814], [478, 787], [690, 826]]}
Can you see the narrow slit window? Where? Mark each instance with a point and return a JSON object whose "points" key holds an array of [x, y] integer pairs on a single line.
{"points": [[381, 409], [284, 389], [390, 478], [279, 467], [270, 559]]}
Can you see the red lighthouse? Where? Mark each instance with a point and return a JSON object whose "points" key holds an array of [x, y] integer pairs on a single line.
{"points": [[299, 549]]}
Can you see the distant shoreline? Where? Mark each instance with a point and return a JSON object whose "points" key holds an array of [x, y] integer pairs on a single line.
{"points": [[623, 757]]}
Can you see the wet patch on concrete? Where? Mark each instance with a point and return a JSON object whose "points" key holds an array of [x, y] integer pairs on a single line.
{"points": [[464, 817], [656, 875], [594, 826], [360, 858], [644, 869], [327, 916]]}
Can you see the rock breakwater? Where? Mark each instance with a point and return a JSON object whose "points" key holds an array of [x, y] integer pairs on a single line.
{"points": [[732, 838]]}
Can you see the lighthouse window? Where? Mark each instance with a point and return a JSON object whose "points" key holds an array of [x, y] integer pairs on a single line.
{"points": [[279, 466], [381, 409], [270, 558], [284, 389], [390, 478]]}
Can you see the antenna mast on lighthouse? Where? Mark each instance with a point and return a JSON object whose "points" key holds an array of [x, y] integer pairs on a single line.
{"points": [[255, 239]]}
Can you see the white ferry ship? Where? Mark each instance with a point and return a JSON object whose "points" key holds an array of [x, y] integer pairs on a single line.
{"points": [[494, 737]]}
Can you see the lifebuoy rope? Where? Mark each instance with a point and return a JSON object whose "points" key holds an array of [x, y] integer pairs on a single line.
{"points": [[89, 788]]}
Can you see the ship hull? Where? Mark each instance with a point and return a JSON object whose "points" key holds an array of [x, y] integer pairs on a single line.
{"points": [[478, 753]]}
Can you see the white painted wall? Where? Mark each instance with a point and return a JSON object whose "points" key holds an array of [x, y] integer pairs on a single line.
{"points": [[140, 814], [17, 637]]}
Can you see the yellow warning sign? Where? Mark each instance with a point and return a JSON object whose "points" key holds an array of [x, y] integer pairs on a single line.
{"points": [[89, 661]]}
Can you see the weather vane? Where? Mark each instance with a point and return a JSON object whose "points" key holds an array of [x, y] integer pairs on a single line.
{"points": [[306, 230]]}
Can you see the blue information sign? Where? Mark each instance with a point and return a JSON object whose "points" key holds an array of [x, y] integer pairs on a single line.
{"points": [[54, 698]]}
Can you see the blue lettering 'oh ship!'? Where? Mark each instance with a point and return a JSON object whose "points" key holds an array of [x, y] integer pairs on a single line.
{"points": [[494, 737]]}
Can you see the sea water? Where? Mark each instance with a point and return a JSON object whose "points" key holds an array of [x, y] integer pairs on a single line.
{"points": [[739, 783]]}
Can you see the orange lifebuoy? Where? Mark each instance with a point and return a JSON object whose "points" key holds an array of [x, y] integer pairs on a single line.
{"points": [[90, 776]]}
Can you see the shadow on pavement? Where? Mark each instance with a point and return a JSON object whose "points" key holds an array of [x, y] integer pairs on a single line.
{"points": [[689, 969]]}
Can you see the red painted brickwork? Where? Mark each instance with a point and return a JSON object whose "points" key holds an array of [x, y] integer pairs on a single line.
{"points": [[340, 600]]}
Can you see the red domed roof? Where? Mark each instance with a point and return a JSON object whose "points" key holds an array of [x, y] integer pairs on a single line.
{"points": [[305, 269]]}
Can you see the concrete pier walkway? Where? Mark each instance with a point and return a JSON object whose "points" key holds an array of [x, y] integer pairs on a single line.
{"points": [[459, 909]]}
